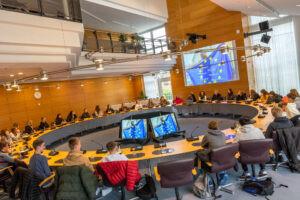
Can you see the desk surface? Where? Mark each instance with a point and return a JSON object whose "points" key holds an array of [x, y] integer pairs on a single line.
{"points": [[180, 147]]}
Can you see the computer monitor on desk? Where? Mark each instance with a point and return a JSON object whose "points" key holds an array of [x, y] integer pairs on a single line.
{"points": [[133, 129]]}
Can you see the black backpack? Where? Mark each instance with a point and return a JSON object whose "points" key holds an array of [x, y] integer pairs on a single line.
{"points": [[259, 187], [149, 190]]}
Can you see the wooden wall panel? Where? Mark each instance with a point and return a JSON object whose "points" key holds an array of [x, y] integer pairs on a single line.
{"points": [[220, 25], [22, 106]]}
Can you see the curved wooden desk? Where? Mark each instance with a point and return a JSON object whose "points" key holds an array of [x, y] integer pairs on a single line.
{"points": [[180, 146]]}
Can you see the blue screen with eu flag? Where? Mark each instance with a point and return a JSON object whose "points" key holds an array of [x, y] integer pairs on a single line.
{"points": [[208, 65], [134, 129], [164, 124]]}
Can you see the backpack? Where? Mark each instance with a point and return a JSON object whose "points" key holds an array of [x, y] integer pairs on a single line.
{"points": [[149, 190], [201, 187], [260, 187]]}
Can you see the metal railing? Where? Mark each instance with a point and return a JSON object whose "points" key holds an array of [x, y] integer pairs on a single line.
{"points": [[59, 9]]}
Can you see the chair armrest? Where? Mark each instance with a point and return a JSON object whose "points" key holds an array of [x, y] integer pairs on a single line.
{"points": [[237, 155], [157, 176], [9, 170], [271, 151], [47, 179], [194, 172]]}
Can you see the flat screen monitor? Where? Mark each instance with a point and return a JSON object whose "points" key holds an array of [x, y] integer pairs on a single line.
{"points": [[164, 125], [134, 129], [208, 65]]}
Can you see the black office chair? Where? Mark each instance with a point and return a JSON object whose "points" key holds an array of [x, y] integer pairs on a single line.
{"points": [[173, 174]]}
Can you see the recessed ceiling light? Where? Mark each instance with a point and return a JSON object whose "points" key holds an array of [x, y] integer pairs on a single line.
{"points": [[11, 75], [20, 73]]}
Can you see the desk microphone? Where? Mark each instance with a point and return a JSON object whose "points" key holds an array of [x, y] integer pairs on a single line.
{"points": [[98, 151], [193, 138]]}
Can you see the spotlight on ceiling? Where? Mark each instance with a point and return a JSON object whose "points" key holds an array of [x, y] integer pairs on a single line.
{"points": [[99, 64], [36, 88], [263, 25], [266, 49], [263, 28], [19, 88], [259, 54], [44, 76], [177, 71], [15, 84], [256, 48], [265, 38], [193, 37], [185, 43], [8, 88], [167, 55]]}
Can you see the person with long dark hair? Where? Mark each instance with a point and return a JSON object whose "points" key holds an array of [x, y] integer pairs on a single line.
{"points": [[59, 119], [230, 94], [71, 116]]}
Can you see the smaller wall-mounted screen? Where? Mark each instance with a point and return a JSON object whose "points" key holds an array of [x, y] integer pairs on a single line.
{"points": [[164, 124], [208, 65], [134, 129]]}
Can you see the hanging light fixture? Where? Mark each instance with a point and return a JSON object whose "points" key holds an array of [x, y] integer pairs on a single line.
{"points": [[99, 64], [44, 76], [259, 54], [130, 78], [224, 50], [15, 84], [243, 58], [58, 86], [81, 84], [36, 88], [19, 88], [167, 55], [266, 49], [256, 48]]}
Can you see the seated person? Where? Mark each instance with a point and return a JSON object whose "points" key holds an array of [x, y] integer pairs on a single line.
{"points": [[297, 99], [85, 114], [71, 116], [124, 108], [138, 105], [254, 95], [150, 103], [273, 98], [29, 129], [241, 96], [98, 112], [75, 156], [114, 153], [15, 133], [264, 96], [217, 96], [59, 120], [163, 101], [39, 162], [249, 132], [279, 122], [43, 125], [291, 108], [5, 135], [202, 96], [177, 101], [230, 94], [109, 109]]}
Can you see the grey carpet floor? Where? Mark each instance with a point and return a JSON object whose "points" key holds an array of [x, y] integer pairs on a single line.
{"points": [[282, 176]]}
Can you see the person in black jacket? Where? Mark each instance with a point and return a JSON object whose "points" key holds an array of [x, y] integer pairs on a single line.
{"points": [[194, 97], [254, 95], [85, 114], [29, 128], [71, 116], [43, 125], [279, 122], [109, 109], [59, 119], [241, 96], [217, 96], [230, 94], [273, 98]]}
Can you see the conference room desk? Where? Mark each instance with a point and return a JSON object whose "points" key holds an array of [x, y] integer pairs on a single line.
{"points": [[179, 147]]}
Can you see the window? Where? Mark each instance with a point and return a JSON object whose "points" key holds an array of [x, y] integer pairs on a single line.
{"points": [[155, 40], [278, 70], [158, 85]]}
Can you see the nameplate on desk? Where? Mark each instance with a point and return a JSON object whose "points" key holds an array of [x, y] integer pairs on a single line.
{"points": [[159, 145], [136, 148]]}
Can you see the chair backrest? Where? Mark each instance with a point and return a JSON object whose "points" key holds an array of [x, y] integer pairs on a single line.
{"points": [[175, 173], [255, 151], [223, 158]]}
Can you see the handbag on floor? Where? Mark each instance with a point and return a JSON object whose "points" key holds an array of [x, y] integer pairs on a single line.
{"points": [[259, 187], [149, 190], [201, 187]]}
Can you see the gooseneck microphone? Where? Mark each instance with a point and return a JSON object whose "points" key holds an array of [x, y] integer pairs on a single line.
{"points": [[193, 138], [101, 150]]}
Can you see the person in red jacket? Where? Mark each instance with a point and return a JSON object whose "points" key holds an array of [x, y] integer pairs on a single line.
{"points": [[177, 101]]}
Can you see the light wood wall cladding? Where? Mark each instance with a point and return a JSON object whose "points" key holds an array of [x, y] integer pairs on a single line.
{"points": [[220, 25], [22, 106]]}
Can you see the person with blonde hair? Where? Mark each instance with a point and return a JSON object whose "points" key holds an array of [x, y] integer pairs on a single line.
{"points": [[297, 98]]}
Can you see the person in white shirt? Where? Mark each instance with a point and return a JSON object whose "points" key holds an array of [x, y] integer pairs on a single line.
{"points": [[114, 153], [291, 108], [138, 105]]}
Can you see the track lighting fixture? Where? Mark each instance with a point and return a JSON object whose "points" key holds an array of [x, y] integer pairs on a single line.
{"points": [[15, 84], [167, 55], [99, 64], [44, 76], [19, 89], [224, 50], [36, 88]]}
